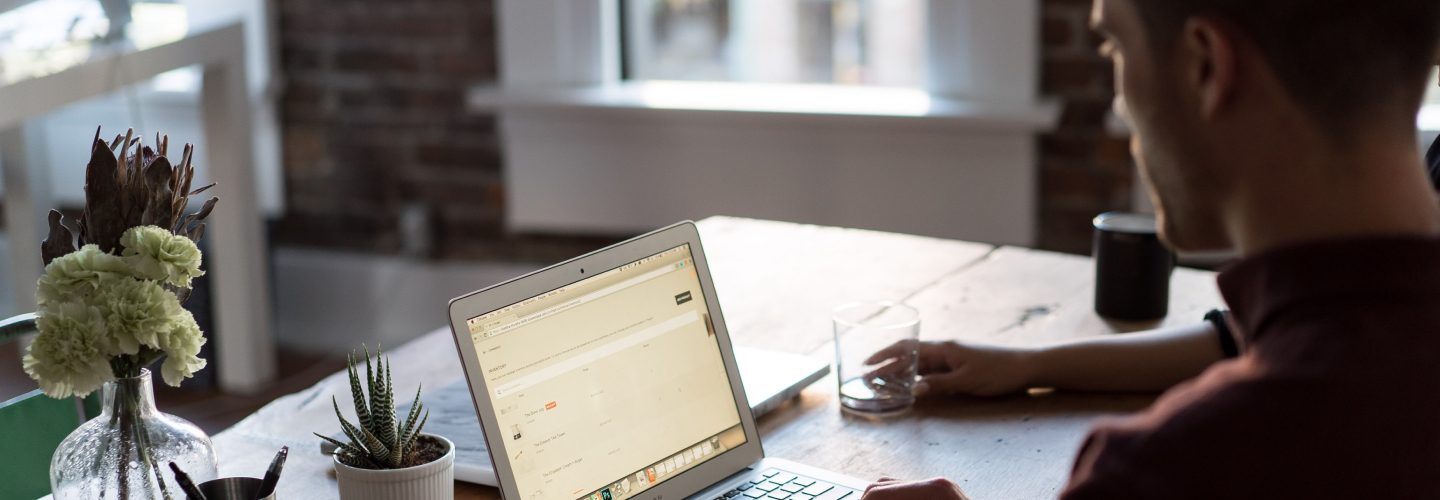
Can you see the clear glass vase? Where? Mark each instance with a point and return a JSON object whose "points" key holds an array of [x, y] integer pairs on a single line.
{"points": [[124, 453]]}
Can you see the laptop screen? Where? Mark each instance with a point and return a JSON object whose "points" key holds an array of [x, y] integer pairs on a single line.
{"points": [[610, 385]]}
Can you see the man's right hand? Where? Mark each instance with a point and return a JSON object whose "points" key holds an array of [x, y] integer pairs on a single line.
{"points": [[1141, 361], [930, 489], [950, 367]]}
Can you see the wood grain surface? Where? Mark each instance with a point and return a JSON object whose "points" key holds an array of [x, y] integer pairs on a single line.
{"points": [[777, 284]]}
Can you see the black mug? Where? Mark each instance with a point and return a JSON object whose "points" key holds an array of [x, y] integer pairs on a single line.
{"points": [[1132, 268]]}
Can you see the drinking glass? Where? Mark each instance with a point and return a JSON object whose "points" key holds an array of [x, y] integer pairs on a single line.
{"points": [[875, 356]]}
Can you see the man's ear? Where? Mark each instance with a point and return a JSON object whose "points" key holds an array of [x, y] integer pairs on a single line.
{"points": [[1207, 53]]}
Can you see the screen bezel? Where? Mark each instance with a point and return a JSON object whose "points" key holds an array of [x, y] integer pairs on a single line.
{"points": [[518, 289]]}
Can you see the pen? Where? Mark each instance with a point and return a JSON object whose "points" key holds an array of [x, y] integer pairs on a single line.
{"points": [[186, 484], [272, 475]]}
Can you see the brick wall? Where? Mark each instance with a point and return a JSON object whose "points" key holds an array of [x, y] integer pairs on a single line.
{"points": [[1083, 171], [374, 123]]}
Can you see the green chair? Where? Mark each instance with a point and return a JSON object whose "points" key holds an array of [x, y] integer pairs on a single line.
{"points": [[33, 424]]}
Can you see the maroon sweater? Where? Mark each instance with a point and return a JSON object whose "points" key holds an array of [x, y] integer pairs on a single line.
{"points": [[1336, 395]]}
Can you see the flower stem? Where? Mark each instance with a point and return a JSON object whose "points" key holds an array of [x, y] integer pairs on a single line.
{"points": [[129, 365], [133, 435], [124, 416]]}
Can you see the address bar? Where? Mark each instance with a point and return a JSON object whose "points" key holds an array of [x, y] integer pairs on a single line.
{"points": [[597, 353], [582, 300]]}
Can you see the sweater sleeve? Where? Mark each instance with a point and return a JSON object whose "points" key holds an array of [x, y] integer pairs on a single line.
{"points": [[1432, 158]]}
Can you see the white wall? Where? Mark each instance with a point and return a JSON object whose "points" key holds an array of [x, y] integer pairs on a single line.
{"points": [[626, 173]]}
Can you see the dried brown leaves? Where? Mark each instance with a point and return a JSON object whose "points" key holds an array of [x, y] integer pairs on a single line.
{"points": [[128, 184]]}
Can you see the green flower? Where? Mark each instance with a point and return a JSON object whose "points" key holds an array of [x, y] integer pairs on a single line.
{"points": [[159, 255], [77, 275], [69, 356], [181, 343], [136, 312]]}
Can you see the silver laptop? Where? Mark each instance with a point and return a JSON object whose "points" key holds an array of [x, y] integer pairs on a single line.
{"points": [[611, 376]]}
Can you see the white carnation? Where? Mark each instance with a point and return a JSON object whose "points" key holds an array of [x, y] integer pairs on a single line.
{"points": [[160, 255], [69, 356], [181, 344], [77, 275]]}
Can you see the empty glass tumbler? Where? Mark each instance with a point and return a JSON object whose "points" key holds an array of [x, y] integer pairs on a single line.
{"points": [[875, 356]]}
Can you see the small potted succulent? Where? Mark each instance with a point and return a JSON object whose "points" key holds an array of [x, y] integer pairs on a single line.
{"points": [[385, 457]]}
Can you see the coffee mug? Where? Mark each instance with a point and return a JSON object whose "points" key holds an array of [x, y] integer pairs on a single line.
{"points": [[1132, 268]]}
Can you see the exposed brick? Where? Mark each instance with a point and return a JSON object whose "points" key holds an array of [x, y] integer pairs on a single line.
{"points": [[1056, 32], [337, 230], [1076, 187], [1083, 170], [300, 58], [1067, 231], [1111, 151], [305, 149], [462, 64], [1085, 113], [401, 98], [1077, 76], [377, 61], [456, 153], [374, 120]]}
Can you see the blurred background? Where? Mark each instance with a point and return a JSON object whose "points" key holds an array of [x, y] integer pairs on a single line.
{"points": [[403, 153]]}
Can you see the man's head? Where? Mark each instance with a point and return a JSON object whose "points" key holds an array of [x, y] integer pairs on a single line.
{"points": [[1212, 87]]}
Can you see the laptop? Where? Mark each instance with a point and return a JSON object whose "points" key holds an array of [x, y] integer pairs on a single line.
{"points": [[770, 377], [612, 376]]}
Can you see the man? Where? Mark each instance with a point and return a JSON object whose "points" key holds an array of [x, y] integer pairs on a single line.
{"points": [[1145, 361], [1283, 130]]}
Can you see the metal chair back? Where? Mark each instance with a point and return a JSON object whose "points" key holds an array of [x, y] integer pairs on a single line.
{"points": [[34, 425]]}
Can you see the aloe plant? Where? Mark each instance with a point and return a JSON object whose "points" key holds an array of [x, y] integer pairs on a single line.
{"points": [[380, 441]]}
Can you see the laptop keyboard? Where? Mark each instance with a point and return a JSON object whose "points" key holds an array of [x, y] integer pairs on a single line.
{"points": [[781, 485]]}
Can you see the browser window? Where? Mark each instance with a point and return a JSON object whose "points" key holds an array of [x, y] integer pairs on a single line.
{"points": [[610, 385]]}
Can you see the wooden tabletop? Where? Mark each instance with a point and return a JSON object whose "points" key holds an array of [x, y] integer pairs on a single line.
{"points": [[777, 283]]}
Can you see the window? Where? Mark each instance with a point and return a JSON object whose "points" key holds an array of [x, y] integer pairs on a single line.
{"points": [[41, 38], [853, 42]]}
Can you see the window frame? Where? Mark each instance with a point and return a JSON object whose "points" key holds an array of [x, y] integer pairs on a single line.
{"points": [[970, 47], [579, 140]]}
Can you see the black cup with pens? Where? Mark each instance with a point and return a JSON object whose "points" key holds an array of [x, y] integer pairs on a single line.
{"points": [[235, 488]]}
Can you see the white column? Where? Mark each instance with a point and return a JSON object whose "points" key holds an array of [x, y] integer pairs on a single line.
{"points": [[27, 201], [238, 251]]}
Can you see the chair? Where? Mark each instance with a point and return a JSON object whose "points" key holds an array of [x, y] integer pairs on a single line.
{"points": [[34, 424]]}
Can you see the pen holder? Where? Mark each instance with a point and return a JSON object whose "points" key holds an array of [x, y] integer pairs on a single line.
{"points": [[233, 488]]}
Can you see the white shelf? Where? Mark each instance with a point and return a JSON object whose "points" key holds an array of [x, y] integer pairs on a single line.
{"points": [[769, 102]]}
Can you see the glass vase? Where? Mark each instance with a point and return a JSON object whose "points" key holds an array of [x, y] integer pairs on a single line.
{"points": [[124, 453]]}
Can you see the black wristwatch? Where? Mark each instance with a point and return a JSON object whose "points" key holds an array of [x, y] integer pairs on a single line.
{"points": [[1216, 318]]}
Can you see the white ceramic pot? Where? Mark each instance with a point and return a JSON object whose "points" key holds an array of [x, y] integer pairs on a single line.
{"points": [[430, 481]]}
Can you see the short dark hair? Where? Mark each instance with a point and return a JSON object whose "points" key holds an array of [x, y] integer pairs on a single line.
{"points": [[1340, 59]]}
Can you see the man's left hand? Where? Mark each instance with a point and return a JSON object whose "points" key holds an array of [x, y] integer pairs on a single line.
{"points": [[936, 488]]}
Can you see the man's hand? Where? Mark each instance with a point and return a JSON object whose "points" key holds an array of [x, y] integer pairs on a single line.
{"points": [[937, 489], [950, 367]]}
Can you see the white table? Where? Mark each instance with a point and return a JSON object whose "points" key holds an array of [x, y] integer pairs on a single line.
{"points": [[777, 283], [238, 257]]}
